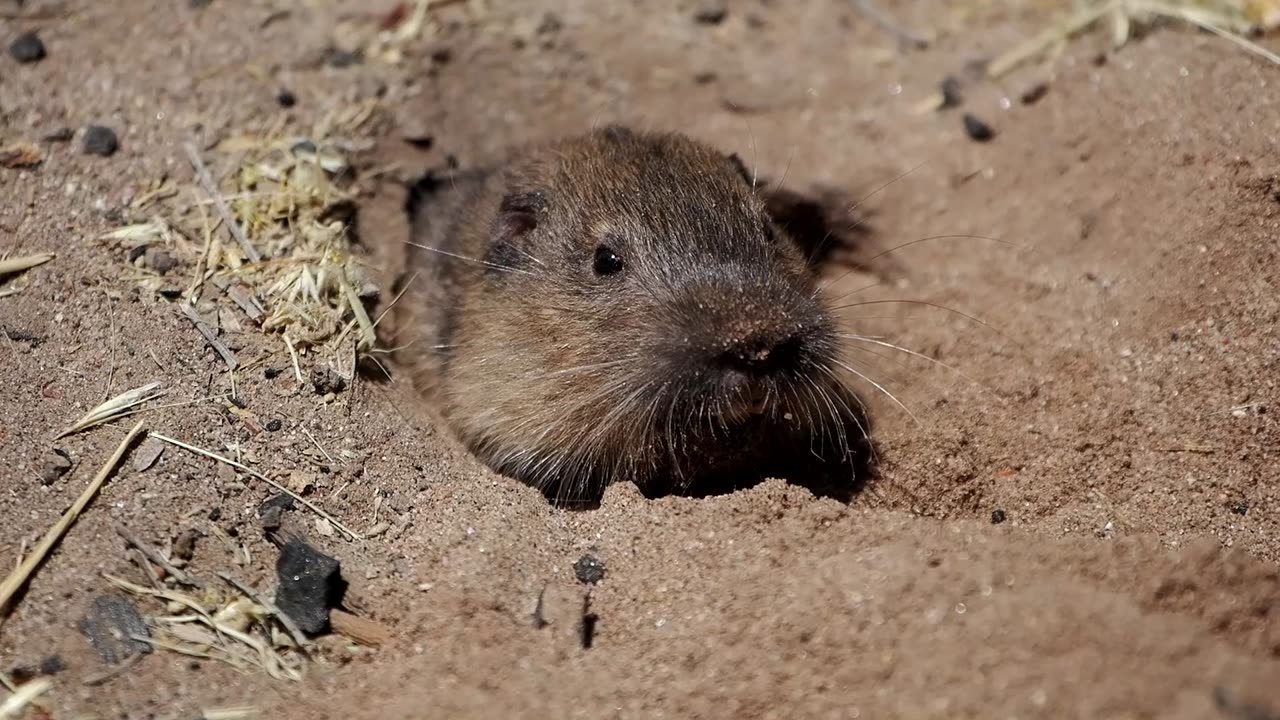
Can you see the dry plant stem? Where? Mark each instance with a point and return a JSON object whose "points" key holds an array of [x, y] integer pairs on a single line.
{"points": [[154, 556], [18, 264], [362, 630], [255, 474], [209, 335], [294, 631], [117, 407], [228, 219], [19, 577], [15, 705], [891, 26]]}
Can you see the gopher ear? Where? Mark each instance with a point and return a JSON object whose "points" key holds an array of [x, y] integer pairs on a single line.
{"points": [[819, 224], [518, 214], [741, 168]]}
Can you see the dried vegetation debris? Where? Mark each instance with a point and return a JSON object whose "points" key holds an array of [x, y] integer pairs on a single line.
{"points": [[273, 237]]}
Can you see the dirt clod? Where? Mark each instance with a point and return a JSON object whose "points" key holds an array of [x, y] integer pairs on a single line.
{"points": [[112, 623], [310, 583], [325, 380], [100, 140], [274, 425], [1240, 507], [951, 92], [55, 464], [27, 48], [286, 99], [997, 517]]}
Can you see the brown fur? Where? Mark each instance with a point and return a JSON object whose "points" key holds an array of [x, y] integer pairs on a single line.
{"points": [[707, 360]]}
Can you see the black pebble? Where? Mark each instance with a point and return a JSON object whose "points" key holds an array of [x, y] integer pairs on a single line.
{"points": [[27, 48], [589, 569], [310, 583], [977, 129], [271, 373], [111, 625], [274, 425], [99, 140], [136, 252], [997, 517], [286, 99], [325, 381], [1240, 507], [951, 96]]}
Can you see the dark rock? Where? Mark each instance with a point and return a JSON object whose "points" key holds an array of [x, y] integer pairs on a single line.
{"points": [[344, 58], [63, 134], [310, 583], [325, 381], [1241, 507], [162, 262], [997, 517], [286, 99], [271, 373], [711, 12], [1032, 95], [977, 129], [589, 569], [99, 140], [52, 665], [951, 95], [304, 147], [136, 252], [274, 425], [27, 48], [272, 510], [111, 625]]}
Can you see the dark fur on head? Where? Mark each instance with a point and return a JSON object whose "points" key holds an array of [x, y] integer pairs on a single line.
{"points": [[622, 306]]}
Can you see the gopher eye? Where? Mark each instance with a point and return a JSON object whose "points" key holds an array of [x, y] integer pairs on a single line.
{"points": [[607, 261]]}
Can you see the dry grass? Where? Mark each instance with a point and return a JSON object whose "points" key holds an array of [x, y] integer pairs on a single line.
{"points": [[1233, 20], [272, 236]]}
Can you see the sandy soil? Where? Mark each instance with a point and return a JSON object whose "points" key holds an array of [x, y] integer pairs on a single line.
{"points": [[1122, 414]]}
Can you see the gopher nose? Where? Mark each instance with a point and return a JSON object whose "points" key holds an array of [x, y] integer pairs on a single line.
{"points": [[761, 353]]}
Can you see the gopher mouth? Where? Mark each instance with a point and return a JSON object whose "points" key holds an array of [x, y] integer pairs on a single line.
{"points": [[745, 398]]}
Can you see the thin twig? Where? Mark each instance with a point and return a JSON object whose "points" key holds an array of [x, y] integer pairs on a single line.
{"points": [[891, 26], [19, 577], [111, 673], [209, 335], [253, 473], [154, 556], [202, 173], [294, 631]]}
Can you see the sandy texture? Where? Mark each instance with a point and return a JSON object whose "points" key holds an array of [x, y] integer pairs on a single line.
{"points": [[1122, 414]]}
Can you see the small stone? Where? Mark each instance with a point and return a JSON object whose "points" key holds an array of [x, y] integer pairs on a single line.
{"points": [[63, 134], [344, 58], [55, 464], [1240, 507], [148, 454], [589, 569], [711, 12], [1032, 95], [977, 129], [951, 96], [997, 517], [271, 373], [286, 99], [99, 140], [27, 48], [310, 583], [274, 425], [272, 510], [162, 262], [111, 624]]}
